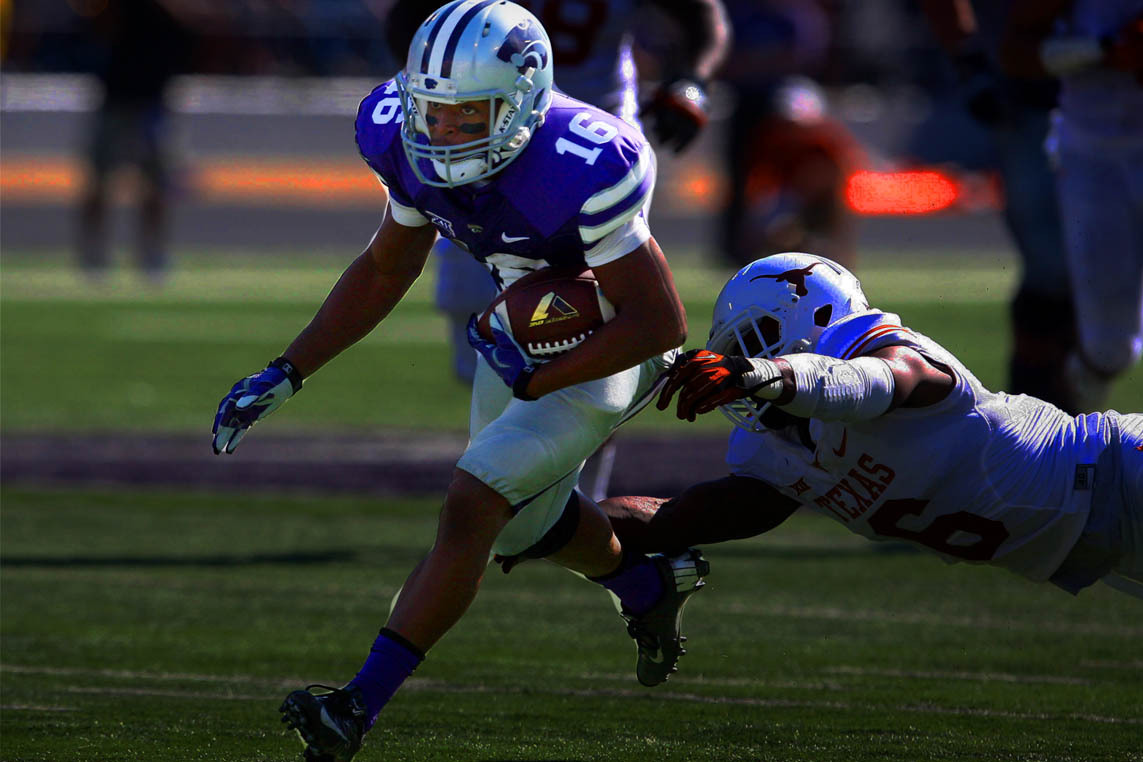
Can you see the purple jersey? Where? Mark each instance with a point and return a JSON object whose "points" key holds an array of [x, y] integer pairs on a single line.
{"points": [[583, 175]]}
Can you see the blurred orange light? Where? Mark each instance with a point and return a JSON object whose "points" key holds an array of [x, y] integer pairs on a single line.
{"points": [[907, 192], [699, 186], [288, 182]]}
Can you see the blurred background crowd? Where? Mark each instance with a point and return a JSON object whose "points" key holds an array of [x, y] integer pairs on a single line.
{"points": [[810, 92], [835, 126]]}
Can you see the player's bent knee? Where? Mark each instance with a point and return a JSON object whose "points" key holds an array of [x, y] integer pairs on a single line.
{"points": [[556, 538], [472, 508], [1111, 355]]}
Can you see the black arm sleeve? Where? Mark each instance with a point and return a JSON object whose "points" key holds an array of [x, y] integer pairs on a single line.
{"points": [[706, 34]]}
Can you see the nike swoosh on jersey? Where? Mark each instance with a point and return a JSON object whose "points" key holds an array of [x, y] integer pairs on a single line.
{"points": [[840, 451], [513, 238]]}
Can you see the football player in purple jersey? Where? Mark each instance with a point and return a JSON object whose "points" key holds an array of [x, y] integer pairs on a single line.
{"points": [[592, 40], [474, 144], [841, 409]]}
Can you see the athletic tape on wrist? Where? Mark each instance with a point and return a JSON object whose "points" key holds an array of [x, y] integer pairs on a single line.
{"points": [[839, 390], [763, 379]]}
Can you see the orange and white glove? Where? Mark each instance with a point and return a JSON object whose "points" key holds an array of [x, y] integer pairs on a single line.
{"points": [[706, 380]]}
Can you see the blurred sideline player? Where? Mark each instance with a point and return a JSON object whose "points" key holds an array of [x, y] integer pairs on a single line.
{"points": [[473, 143], [144, 46], [592, 40], [1016, 112], [841, 409], [1095, 47], [787, 159]]}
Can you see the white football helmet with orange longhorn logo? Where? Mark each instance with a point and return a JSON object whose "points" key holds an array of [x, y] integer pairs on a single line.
{"points": [[780, 305]]}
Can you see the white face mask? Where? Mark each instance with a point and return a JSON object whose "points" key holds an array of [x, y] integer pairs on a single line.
{"points": [[461, 171]]}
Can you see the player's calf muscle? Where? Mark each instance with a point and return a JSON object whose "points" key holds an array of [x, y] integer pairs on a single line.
{"points": [[705, 513]]}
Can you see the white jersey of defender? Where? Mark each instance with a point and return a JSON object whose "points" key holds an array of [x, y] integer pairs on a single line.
{"points": [[979, 476]]}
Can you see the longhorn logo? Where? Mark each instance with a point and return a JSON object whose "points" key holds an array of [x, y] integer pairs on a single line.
{"points": [[796, 277]]}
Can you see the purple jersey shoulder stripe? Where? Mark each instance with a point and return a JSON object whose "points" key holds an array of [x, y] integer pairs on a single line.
{"points": [[611, 207], [621, 209]]}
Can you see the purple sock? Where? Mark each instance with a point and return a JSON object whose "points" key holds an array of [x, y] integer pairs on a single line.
{"points": [[636, 582], [391, 660]]}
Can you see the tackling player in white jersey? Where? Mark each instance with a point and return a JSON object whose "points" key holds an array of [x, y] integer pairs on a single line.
{"points": [[842, 409]]}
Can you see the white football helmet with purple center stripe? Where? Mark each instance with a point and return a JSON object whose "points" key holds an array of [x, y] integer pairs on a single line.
{"points": [[472, 50], [779, 305]]}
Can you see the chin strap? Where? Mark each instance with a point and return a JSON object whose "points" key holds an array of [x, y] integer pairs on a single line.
{"points": [[826, 388]]}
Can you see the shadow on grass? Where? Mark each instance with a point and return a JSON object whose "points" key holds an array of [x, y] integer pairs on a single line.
{"points": [[322, 557], [811, 553]]}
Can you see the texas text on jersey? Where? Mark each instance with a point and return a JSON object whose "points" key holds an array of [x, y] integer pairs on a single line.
{"points": [[976, 490]]}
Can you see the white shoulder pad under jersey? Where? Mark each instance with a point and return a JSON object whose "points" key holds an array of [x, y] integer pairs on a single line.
{"points": [[978, 476]]}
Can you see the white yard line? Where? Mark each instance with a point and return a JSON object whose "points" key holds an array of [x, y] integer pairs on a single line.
{"points": [[984, 677], [929, 618], [1104, 664], [420, 685]]}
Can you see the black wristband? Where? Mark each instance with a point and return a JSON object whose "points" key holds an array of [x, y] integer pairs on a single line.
{"points": [[520, 385], [287, 367]]}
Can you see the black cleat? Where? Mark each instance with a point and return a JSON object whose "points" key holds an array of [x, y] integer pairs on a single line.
{"points": [[657, 633], [332, 724]]}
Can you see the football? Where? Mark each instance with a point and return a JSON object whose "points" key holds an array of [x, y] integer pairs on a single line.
{"points": [[550, 311]]}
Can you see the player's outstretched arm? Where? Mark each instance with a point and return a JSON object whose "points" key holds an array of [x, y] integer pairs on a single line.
{"points": [[366, 292], [808, 385], [649, 320], [731, 508], [678, 110]]}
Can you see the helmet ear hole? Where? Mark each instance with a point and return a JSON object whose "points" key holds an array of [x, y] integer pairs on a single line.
{"points": [[822, 315]]}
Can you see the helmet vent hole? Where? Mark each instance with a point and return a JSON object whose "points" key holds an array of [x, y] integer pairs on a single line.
{"points": [[771, 330], [822, 315], [751, 344], [761, 340]]}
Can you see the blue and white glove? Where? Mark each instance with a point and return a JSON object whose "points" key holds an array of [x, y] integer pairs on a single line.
{"points": [[252, 399], [504, 356]]}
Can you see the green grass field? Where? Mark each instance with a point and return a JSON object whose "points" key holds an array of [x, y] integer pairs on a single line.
{"points": [[124, 357], [164, 626]]}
